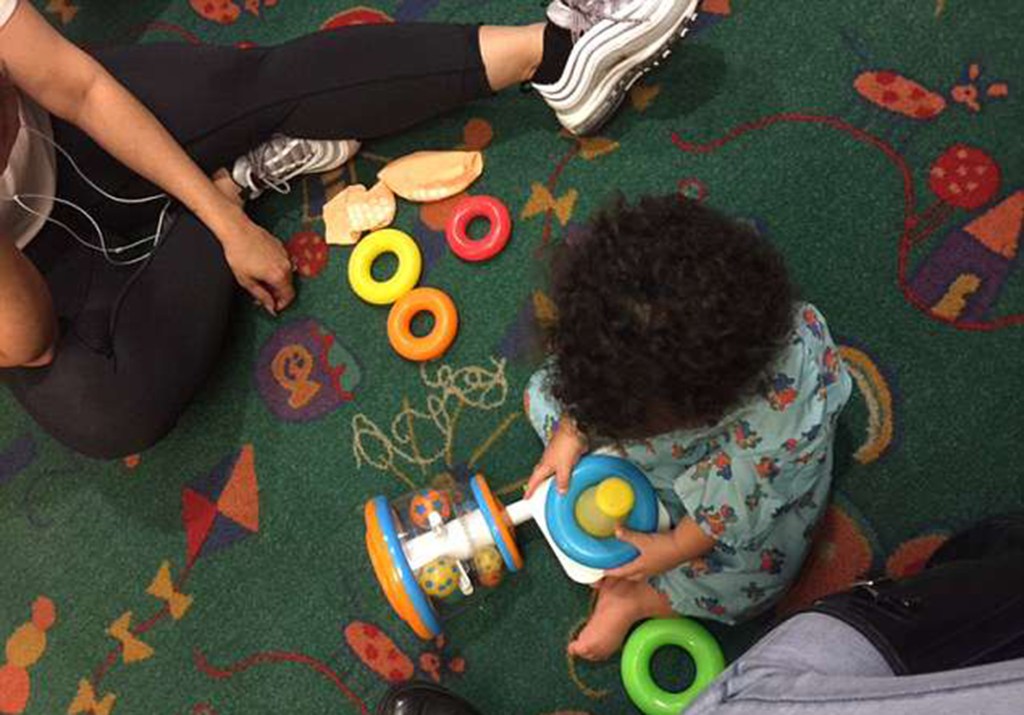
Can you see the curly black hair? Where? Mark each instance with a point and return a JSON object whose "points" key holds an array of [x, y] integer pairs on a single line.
{"points": [[669, 314]]}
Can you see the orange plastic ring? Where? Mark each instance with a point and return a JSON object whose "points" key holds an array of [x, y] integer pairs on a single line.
{"points": [[432, 345]]}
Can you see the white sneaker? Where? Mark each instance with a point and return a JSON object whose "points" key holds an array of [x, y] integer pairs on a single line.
{"points": [[616, 42], [274, 163]]}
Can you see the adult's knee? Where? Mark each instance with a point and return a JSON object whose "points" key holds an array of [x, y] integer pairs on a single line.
{"points": [[84, 402], [116, 428]]}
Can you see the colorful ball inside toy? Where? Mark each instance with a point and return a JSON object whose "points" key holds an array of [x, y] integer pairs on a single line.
{"points": [[490, 568], [427, 502], [440, 578]]}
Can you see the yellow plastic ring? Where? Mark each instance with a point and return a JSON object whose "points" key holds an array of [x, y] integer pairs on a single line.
{"points": [[368, 250]]}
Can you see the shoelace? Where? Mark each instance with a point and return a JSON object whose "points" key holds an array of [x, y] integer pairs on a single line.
{"points": [[262, 158], [587, 13]]}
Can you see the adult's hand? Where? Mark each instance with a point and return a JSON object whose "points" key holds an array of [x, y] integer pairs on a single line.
{"points": [[259, 261], [70, 84]]}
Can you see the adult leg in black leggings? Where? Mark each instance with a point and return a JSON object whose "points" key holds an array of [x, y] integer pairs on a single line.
{"points": [[136, 342]]}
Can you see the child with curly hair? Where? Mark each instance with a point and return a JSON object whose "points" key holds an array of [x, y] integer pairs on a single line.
{"points": [[681, 345]]}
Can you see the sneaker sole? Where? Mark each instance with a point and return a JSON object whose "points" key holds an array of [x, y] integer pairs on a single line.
{"points": [[606, 98]]}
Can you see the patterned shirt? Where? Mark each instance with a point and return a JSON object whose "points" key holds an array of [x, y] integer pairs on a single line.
{"points": [[757, 480]]}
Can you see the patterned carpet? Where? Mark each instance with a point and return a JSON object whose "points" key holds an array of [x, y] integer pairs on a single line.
{"points": [[877, 143]]}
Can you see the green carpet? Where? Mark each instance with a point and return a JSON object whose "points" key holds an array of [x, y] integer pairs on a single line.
{"points": [[877, 143]]}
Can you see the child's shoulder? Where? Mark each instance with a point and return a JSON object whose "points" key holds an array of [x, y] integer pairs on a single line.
{"points": [[804, 386]]}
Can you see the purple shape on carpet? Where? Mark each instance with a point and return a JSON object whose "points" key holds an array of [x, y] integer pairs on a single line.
{"points": [[755, 224], [212, 484], [20, 453], [576, 233], [959, 255], [317, 195], [522, 339], [462, 473], [433, 245], [223, 533], [410, 10], [704, 23], [303, 372]]}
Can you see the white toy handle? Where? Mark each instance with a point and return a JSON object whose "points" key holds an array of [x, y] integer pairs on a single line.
{"points": [[520, 512], [457, 539], [461, 538]]}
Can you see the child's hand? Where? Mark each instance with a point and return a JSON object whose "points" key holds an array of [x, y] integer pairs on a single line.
{"points": [[662, 552], [563, 451], [658, 554]]}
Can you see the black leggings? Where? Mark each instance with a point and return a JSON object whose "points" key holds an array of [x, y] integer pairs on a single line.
{"points": [[136, 342]]}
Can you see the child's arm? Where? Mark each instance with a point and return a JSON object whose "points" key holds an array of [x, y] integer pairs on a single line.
{"points": [[662, 552], [564, 450]]}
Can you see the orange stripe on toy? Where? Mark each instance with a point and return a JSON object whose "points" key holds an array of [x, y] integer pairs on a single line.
{"points": [[504, 524], [387, 575]]}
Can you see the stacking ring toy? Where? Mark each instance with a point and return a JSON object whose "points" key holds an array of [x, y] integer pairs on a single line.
{"points": [[569, 535], [368, 250], [498, 523], [474, 207], [433, 345], [646, 641]]}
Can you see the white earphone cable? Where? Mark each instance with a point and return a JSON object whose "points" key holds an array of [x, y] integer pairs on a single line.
{"points": [[110, 254]]}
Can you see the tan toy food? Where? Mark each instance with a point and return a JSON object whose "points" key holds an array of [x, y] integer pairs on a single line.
{"points": [[432, 175], [355, 211]]}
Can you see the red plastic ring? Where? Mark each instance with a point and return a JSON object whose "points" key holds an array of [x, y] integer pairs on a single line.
{"points": [[474, 207]]}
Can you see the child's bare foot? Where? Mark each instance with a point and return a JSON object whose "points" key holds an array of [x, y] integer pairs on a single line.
{"points": [[620, 604]]}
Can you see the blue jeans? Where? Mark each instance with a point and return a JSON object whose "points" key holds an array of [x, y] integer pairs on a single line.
{"points": [[815, 664]]}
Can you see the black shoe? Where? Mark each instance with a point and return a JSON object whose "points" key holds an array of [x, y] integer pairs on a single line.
{"points": [[955, 614], [421, 698], [993, 536]]}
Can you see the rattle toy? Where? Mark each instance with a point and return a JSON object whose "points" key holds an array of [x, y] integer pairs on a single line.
{"points": [[432, 345], [422, 543], [650, 637], [470, 209], [360, 264]]}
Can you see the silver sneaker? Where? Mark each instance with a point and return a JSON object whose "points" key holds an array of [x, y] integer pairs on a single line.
{"points": [[616, 43], [274, 163]]}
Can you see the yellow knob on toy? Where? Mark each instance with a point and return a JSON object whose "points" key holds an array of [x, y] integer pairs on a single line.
{"points": [[614, 497], [601, 507]]}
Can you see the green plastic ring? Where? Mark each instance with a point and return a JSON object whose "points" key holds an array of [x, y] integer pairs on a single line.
{"points": [[651, 637]]}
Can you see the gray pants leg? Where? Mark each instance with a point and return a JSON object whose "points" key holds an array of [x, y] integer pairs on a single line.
{"points": [[815, 664]]}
